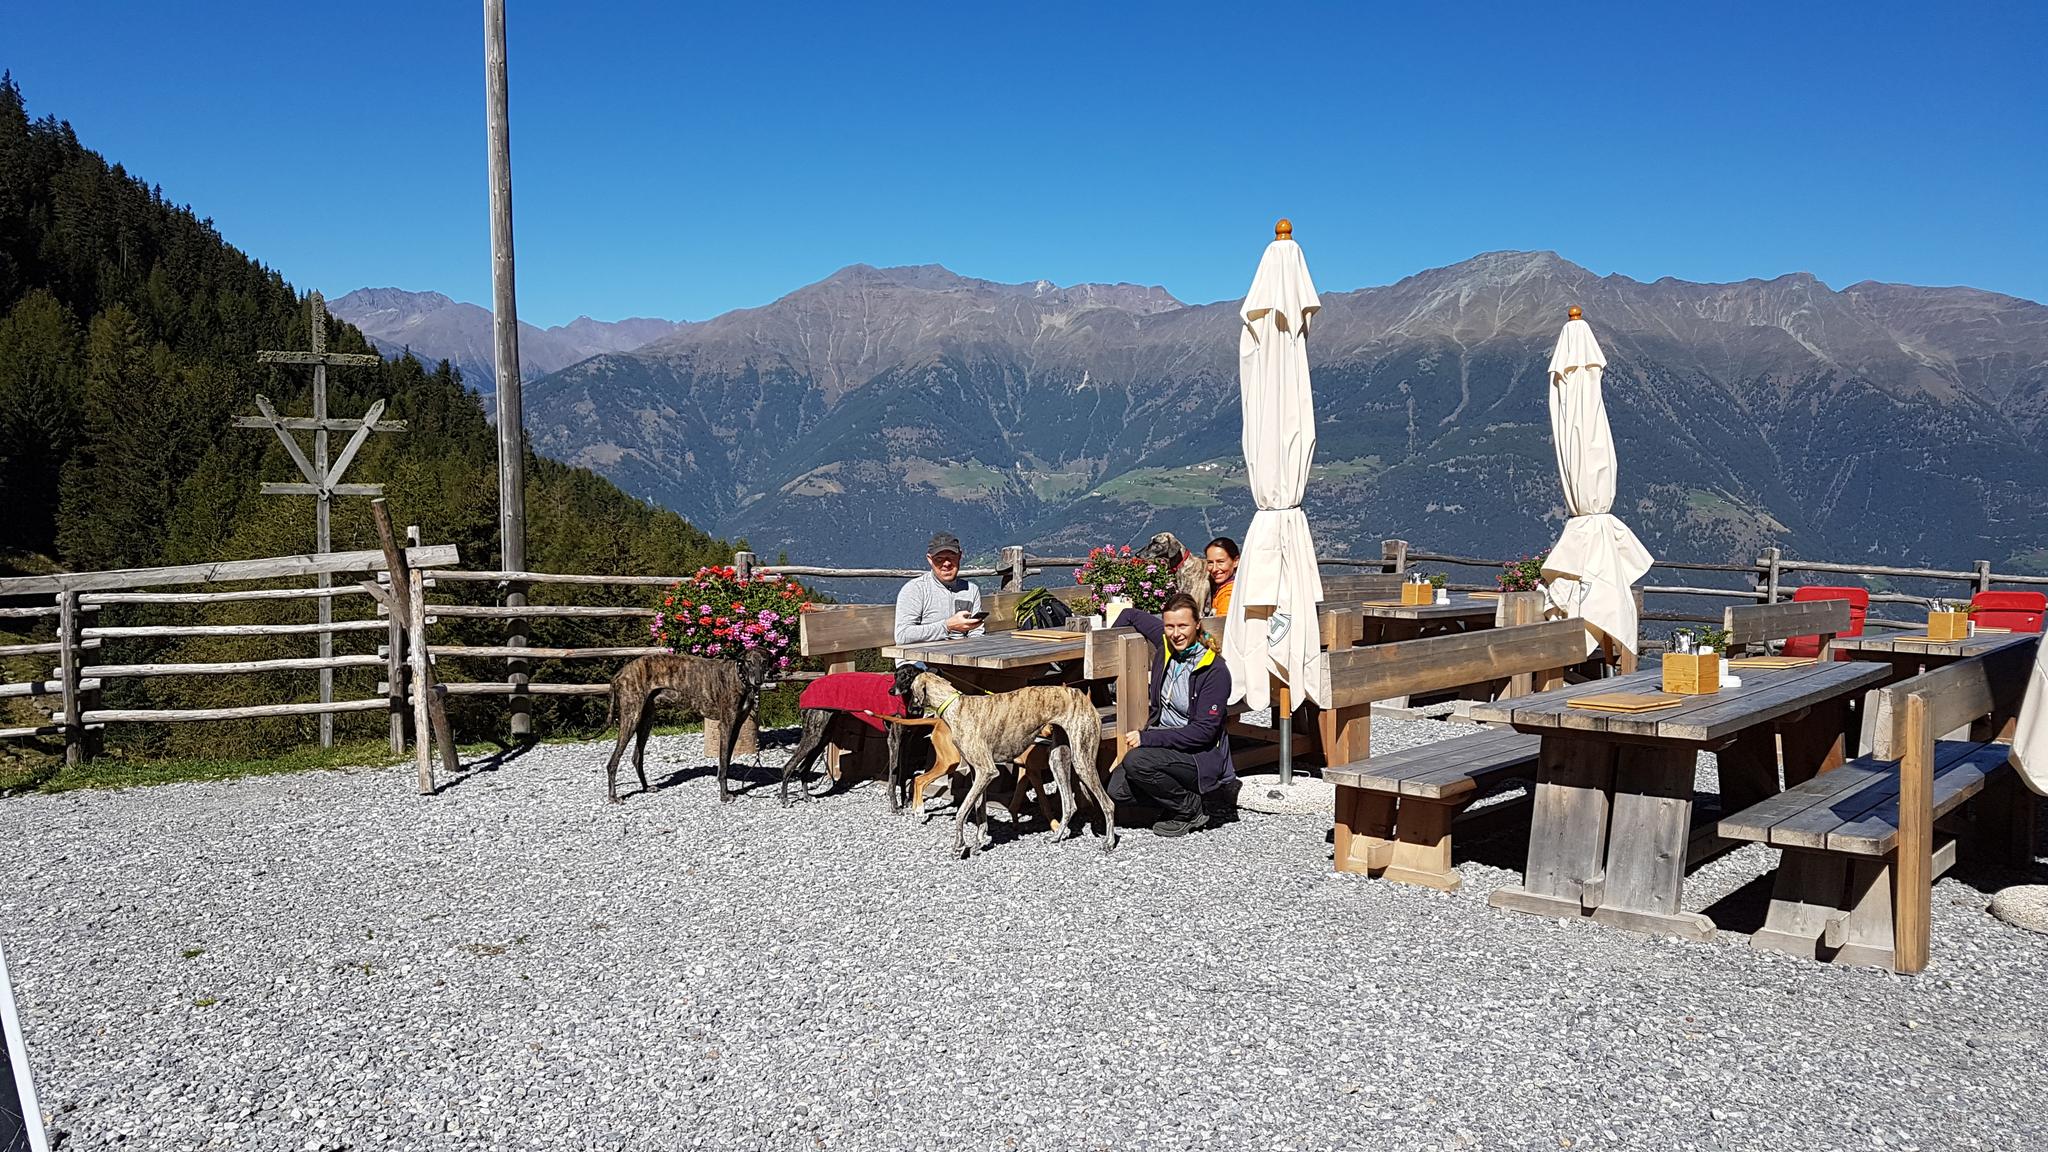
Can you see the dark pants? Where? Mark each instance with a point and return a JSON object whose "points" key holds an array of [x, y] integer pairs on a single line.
{"points": [[1158, 778]]}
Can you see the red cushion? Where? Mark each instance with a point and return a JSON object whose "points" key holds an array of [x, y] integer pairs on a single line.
{"points": [[1859, 607], [864, 694], [2018, 611]]}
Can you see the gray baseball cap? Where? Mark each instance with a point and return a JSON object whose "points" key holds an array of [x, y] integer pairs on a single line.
{"points": [[943, 542]]}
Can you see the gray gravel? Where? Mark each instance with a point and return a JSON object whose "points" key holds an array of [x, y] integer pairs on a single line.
{"points": [[328, 961]]}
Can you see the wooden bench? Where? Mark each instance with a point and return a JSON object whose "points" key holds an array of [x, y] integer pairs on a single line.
{"points": [[838, 634], [1353, 588], [1395, 812], [1863, 844], [1757, 625]]}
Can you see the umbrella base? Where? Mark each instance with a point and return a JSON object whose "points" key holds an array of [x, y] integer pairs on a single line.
{"points": [[2022, 905], [1305, 796]]}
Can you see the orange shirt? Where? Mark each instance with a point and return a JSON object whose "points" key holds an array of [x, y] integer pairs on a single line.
{"points": [[1219, 600]]}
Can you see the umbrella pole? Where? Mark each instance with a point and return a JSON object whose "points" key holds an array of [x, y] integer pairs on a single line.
{"points": [[1283, 715]]}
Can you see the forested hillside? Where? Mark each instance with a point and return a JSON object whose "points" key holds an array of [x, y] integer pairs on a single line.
{"points": [[128, 333]]}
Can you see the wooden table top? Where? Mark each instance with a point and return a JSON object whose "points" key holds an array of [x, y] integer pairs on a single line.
{"points": [[995, 651], [1905, 644], [1765, 695], [1461, 607]]}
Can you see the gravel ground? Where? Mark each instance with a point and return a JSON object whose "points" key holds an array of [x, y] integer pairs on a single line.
{"points": [[330, 961]]}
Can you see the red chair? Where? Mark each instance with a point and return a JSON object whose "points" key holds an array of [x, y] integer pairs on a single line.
{"points": [[2014, 611], [1859, 607]]}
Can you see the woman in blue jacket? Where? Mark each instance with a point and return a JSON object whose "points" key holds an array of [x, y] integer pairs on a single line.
{"points": [[1182, 752]]}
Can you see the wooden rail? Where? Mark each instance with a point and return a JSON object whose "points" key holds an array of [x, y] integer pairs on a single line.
{"points": [[73, 603]]}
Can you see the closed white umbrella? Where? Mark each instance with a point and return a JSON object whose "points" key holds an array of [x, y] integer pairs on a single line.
{"points": [[1593, 569], [1271, 629], [2030, 735]]}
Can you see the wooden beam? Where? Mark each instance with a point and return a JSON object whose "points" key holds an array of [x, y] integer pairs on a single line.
{"points": [[354, 445], [293, 664], [220, 571], [291, 442], [308, 424], [326, 359], [272, 488], [250, 712]]}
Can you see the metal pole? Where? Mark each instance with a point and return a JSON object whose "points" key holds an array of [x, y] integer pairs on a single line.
{"points": [[505, 330], [323, 540]]}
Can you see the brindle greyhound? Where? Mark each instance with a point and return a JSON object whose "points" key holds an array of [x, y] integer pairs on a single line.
{"points": [[999, 728], [1190, 575], [720, 690]]}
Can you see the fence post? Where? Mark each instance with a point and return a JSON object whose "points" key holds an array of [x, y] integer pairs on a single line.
{"points": [[69, 656], [395, 667], [743, 565], [1012, 565], [1393, 555], [1983, 575], [1771, 581]]}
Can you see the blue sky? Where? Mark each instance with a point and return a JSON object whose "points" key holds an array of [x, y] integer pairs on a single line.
{"points": [[680, 160]]}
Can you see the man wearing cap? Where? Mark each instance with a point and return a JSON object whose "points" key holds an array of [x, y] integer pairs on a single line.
{"points": [[938, 604]]}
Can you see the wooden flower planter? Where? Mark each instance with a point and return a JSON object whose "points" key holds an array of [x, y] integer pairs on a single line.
{"points": [[1692, 675]]}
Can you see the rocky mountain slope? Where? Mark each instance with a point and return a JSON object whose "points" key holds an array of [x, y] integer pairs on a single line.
{"points": [[847, 419], [437, 328]]}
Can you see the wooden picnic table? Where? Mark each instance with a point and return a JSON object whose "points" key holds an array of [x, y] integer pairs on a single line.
{"points": [[1464, 612], [994, 652], [1390, 621], [1612, 830]]}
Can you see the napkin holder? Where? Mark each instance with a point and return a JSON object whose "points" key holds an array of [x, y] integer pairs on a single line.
{"points": [[1948, 625], [1692, 673], [1413, 594]]}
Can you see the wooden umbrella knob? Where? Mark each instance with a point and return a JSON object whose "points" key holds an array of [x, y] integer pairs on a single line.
{"points": [[1284, 230], [1573, 314]]}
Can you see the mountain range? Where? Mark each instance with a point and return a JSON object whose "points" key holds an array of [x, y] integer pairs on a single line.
{"points": [[434, 328], [844, 421]]}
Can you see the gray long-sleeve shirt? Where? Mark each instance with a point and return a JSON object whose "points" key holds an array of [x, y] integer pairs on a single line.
{"points": [[924, 606]]}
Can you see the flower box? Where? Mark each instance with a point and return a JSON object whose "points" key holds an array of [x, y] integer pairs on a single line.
{"points": [[1948, 625], [1692, 674]]}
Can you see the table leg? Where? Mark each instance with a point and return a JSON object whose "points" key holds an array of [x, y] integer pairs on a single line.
{"points": [[1748, 769], [1646, 846], [1817, 743], [1567, 828]]}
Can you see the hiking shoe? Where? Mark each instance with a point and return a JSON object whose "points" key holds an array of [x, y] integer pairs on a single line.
{"points": [[1180, 827]]}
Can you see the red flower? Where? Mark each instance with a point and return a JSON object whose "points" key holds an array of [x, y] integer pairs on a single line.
{"points": [[738, 607]]}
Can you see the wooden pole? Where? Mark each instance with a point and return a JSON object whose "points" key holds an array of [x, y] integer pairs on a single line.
{"points": [[505, 331], [68, 660], [407, 600], [1393, 555], [323, 538], [1012, 567]]}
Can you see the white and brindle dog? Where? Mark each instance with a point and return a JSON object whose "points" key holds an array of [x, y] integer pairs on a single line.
{"points": [[995, 730], [1190, 573]]}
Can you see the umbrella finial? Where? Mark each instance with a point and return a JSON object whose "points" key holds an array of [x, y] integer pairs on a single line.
{"points": [[1284, 230], [1573, 314]]}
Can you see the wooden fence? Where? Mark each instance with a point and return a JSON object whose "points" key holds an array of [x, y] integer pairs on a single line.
{"points": [[475, 603]]}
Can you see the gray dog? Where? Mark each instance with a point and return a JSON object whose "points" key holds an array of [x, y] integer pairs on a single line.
{"points": [[997, 729], [720, 690], [1190, 574]]}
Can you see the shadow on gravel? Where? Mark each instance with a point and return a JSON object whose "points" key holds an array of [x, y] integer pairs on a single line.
{"points": [[505, 754], [1743, 911]]}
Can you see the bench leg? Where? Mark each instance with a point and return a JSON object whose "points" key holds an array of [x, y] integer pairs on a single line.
{"points": [[1862, 933], [1365, 829], [1567, 829], [1422, 845], [1808, 889]]}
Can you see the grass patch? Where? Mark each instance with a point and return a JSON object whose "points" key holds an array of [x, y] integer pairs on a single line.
{"points": [[52, 775], [193, 953]]}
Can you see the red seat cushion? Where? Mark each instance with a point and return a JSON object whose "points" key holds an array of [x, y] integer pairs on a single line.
{"points": [[2018, 611], [863, 694], [1859, 607]]}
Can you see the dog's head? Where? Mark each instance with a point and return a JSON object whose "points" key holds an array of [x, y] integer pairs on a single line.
{"points": [[906, 680], [1164, 548], [757, 667]]}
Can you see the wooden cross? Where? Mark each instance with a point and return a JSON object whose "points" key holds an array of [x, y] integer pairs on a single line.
{"points": [[323, 479]]}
